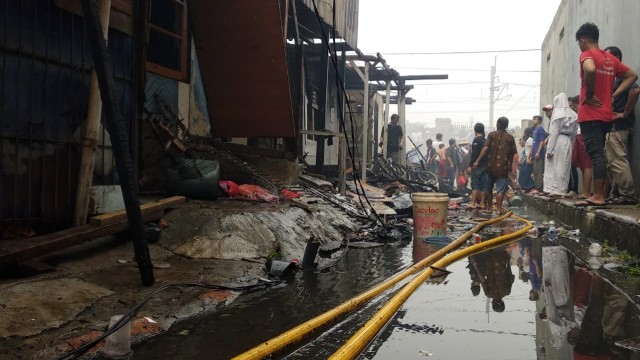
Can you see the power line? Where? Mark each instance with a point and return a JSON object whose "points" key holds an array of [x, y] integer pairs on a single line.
{"points": [[514, 105], [457, 83], [461, 52], [444, 112], [450, 69]]}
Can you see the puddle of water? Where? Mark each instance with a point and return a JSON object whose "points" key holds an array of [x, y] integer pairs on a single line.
{"points": [[456, 318], [257, 317], [531, 299], [551, 307]]}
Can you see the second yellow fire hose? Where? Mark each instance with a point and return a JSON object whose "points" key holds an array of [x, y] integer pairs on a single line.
{"points": [[299, 332], [365, 335]]}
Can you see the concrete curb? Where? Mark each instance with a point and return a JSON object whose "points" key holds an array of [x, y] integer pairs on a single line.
{"points": [[615, 224]]}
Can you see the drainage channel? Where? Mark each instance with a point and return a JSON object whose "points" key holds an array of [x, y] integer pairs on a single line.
{"points": [[497, 304]]}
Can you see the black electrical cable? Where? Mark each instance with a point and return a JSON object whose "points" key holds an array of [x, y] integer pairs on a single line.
{"points": [[333, 57], [132, 313], [340, 81]]}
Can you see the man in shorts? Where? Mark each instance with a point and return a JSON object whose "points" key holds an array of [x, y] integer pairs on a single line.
{"points": [[500, 148], [580, 158], [598, 71], [479, 173]]}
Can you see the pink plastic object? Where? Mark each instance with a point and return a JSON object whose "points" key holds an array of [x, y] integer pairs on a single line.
{"points": [[255, 192]]}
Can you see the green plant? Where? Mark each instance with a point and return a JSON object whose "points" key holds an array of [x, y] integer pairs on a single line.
{"points": [[606, 248], [633, 270], [274, 254], [625, 256]]}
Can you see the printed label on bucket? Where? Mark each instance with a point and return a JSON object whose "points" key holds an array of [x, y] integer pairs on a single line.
{"points": [[426, 225], [429, 214]]}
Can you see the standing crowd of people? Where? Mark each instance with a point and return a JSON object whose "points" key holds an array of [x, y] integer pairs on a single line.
{"points": [[589, 132], [487, 164]]}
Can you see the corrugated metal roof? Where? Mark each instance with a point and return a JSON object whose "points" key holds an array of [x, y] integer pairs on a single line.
{"points": [[346, 17]]}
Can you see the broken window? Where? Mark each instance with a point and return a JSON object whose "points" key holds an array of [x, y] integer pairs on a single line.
{"points": [[167, 47]]}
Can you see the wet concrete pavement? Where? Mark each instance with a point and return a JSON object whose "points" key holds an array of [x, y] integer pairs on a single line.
{"points": [[258, 316], [46, 315]]}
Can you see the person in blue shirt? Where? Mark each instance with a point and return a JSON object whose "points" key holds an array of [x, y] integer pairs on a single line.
{"points": [[537, 152], [525, 180]]}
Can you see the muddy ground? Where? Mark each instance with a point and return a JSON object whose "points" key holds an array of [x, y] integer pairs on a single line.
{"points": [[225, 242]]}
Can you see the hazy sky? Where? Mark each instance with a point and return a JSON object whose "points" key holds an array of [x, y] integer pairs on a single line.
{"points": [[414, 26]]}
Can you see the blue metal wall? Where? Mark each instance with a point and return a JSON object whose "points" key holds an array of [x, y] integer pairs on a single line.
{"points": [[45, 65]]}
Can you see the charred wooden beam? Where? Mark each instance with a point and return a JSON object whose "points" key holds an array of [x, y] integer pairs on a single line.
{"points": [[117, 130]]}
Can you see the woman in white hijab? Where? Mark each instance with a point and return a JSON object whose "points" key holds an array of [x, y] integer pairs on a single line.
{"points": [[562, 131]]}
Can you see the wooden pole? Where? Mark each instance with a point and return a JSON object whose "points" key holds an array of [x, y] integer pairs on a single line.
{"points": [[342, 164], [121, 149], [387, 101], [401, 114], [285, 21], [365, 123], [90, 140]]}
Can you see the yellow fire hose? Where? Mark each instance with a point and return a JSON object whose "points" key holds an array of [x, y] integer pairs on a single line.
{"points": [[364, 336], [299, 332]]}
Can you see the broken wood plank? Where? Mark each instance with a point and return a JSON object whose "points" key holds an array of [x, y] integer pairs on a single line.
{"points": [[383, 209], [301, 205], [121, 215], [364, 244], [319, 183], [14, 252]]}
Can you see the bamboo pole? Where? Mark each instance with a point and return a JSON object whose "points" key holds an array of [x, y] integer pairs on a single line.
{"points": [[91, 133]]}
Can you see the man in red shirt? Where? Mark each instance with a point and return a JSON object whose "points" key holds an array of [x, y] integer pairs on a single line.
{"points": [[598, 71]]}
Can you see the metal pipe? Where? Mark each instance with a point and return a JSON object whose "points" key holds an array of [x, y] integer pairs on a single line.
{"points": [[363, 337], [310, 252], [299, 332]]}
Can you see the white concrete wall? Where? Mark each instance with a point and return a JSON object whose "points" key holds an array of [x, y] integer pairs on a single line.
{"points": [[619, 26]]}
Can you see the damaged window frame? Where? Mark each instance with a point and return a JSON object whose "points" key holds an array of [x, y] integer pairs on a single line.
{"points": [[180, 73]]}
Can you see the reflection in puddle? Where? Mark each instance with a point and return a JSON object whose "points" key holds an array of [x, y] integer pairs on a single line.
{"points": [[539, 302], [580, 315], [491, 270]]}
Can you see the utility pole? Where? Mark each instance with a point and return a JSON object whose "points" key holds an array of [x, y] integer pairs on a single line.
{"points": [[492, 90]]}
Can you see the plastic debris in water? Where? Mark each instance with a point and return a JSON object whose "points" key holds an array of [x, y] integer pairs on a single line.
{"points": [[552, 233], [595, 249], [476, 238], [425, 353], [534, 233]]}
